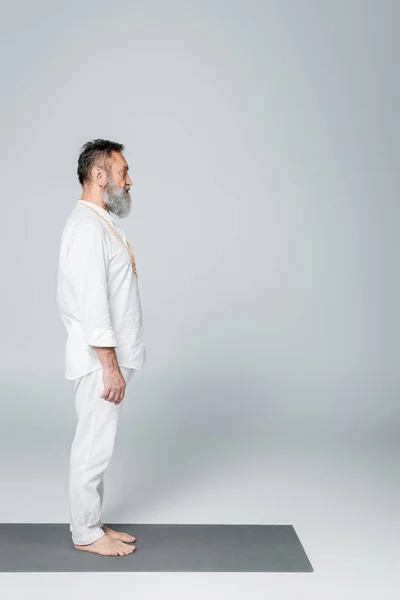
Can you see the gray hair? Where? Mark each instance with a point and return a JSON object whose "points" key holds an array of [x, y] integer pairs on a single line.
{"points": [[96, 153]]}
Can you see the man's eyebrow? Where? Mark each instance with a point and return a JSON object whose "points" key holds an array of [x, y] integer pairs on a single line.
{"points": [[126, 167]]}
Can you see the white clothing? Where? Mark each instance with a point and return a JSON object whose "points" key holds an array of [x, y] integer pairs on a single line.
{"points": [[91, 452], [97, 293]]}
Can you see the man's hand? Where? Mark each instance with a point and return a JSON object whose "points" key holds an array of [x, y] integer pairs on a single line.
{"points": [[114, 385], [114, 382]]}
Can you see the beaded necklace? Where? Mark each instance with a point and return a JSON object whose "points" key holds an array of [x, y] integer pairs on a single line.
{"points": [[127, 246]]}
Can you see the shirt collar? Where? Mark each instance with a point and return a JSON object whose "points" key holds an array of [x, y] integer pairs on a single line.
{"points": [[100, 210]]}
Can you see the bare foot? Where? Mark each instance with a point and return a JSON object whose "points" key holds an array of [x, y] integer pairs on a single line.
{"points": [[118, 535], [107, 547]]}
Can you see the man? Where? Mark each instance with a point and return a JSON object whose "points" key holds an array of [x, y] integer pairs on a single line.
{"points": [[99, 303]]}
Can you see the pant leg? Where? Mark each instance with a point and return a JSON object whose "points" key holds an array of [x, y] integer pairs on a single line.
{"points": [[128, 374], [91, 453]]}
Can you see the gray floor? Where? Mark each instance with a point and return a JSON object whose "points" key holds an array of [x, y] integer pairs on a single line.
{"points": [[37, 547]]}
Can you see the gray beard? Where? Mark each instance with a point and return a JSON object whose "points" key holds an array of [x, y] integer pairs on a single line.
{"points": [[116, 200]]}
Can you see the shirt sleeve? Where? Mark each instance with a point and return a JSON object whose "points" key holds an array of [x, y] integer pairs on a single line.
{"points": [[86, 263]]}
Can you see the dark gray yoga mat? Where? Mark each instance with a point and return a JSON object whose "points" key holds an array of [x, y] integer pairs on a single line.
{"points": [[48, 547]]}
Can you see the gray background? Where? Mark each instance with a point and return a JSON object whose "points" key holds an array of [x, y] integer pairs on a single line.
{"points": [[262, 139]]}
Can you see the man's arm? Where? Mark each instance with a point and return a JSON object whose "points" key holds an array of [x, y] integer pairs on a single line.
{"points": [[86, 262], [107, 357]]}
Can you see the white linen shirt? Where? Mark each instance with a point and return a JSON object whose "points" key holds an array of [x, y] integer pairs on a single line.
{"points": [[97, 293]]}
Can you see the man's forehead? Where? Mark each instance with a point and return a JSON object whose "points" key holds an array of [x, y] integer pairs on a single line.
{"points": [[119, 161]]}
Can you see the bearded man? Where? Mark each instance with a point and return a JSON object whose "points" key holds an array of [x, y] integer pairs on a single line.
{"points": [[99, 303]]}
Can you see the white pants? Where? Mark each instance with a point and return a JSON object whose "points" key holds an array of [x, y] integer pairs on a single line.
{"points": [[91, 452]]}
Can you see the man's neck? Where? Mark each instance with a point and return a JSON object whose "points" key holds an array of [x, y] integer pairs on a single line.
{"points": [[100, 204]]}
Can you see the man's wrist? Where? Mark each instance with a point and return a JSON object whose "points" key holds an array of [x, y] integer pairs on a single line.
{"points": [[107, 357]]}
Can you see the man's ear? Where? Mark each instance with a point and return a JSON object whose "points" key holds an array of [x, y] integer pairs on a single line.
{"points": [[99, 176]]}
